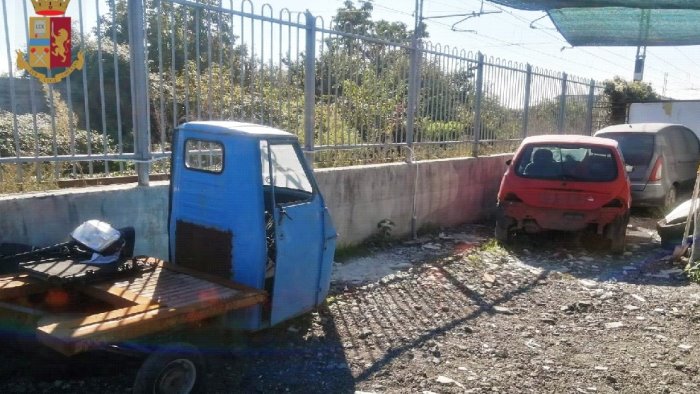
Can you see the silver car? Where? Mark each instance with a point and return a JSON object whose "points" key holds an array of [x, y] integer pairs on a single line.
{"points": [[664, 159]]}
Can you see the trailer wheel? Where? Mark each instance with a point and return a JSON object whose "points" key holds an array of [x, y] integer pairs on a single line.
{"points": [[173, 368]]}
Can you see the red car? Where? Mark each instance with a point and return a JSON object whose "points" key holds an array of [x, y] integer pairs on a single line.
{"points": [[565, 182]]}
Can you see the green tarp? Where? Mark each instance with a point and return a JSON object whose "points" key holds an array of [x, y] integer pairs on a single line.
{"points": [[543, 5], [620, 22]]}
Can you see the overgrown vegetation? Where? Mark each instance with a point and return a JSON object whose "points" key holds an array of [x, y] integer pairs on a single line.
{"points": [[361, 93], [621, 93]]}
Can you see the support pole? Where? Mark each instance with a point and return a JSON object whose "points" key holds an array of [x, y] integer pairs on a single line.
{"points": [[526, 104], [589, 108], [561, 119], [310, 88], [477, 106], [139, 90], [413, 90], [413, 81]]}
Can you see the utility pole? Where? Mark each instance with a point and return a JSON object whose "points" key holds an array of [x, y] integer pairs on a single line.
{"points": [[413, 90], [663, 91], [641, 45], [139, 90], [639, 63]]}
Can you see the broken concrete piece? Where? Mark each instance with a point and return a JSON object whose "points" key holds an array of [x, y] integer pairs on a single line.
{"points": [[615, 324], [447, 381]]}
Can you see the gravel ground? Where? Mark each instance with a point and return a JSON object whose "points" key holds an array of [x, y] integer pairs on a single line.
{"points": [[455, 313]]}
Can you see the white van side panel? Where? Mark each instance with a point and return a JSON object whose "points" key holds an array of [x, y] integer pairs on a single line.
{"points": [[686, 113]]}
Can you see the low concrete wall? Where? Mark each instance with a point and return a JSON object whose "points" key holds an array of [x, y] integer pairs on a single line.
{"points": [[447, 192], [44, 219]]}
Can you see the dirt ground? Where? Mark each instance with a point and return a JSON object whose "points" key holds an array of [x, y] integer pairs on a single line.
{"points": [[455, 313]]}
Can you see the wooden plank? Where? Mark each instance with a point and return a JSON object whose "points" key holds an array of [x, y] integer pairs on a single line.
{"points": [[174, 287], [17, 314], [14, 286], [164, 282], [118, 291], [170, 288], [192, 297], [53, 323], [73, 341], [194, 311], [204, 276], [12, 277], [171, 283], [22, 310]]}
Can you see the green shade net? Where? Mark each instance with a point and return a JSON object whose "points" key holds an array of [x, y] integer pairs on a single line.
{"points": [[620, 22], [543, 5]]}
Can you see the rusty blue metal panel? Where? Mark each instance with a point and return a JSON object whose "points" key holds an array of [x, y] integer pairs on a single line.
{"points": [[231, 200]]}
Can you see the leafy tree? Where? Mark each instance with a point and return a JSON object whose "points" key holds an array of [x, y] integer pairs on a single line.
{"points": [[620, 93], [351, 19], [40, 136], [358, 21], [115, 77], [171, 27]]}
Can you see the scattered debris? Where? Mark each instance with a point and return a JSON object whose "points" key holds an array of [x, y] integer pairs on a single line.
{"points": [[615, 324], [407, 316], [488, 278], [502, 310], [445, 380], [638, 298]]}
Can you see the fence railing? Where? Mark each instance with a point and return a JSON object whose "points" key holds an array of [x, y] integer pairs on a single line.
{"points": [[352, 97]]}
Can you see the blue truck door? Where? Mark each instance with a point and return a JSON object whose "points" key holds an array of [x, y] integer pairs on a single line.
{"points": [[299, 223]]}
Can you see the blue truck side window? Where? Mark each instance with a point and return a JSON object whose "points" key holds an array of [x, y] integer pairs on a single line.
{"points": [[204, 155]]}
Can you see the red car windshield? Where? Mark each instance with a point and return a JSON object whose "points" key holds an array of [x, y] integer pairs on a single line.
{"points": [[567, 162]]}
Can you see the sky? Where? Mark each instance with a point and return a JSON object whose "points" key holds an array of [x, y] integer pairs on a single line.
{"points": [[506, 34]]}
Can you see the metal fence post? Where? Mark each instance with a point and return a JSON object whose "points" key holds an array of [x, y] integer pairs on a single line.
{"points": [[310, 88], [526, 104], [589, 109], [413, 81], [477, 106], [562, 105], [412, 99], [139, 90]]}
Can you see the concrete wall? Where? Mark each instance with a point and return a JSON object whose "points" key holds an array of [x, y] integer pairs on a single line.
{"points": [[448, 192], [44, 219]]}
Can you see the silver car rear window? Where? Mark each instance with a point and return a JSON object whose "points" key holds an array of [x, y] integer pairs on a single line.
{"points": [[637, 148]]}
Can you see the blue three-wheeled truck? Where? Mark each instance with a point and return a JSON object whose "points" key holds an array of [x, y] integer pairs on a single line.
{"points": [[251, 242]]}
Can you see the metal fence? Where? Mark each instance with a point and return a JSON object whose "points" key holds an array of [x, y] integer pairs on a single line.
{"points": [[351, 98]]}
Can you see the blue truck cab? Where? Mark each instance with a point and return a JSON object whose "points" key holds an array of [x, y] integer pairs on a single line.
{"points": [[244, 205]]}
